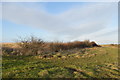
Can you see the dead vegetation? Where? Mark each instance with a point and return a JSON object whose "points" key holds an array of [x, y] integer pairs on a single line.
{"points": [[35, 46]]}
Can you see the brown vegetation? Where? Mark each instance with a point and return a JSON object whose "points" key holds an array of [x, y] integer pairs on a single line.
{"points": [[35, 46]]}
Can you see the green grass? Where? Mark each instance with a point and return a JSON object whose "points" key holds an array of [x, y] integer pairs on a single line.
{"points": [[98, 62]]}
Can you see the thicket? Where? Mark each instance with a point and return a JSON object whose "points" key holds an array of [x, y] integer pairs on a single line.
{"points": [[35, 46]]}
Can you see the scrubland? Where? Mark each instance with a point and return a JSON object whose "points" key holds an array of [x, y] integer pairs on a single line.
{"points": [[34, 58]]}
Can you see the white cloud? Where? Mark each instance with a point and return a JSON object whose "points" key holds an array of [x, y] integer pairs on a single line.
{"points": [[86, 21]]}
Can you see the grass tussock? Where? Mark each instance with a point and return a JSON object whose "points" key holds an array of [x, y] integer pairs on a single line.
{"points": [[102, 65]]}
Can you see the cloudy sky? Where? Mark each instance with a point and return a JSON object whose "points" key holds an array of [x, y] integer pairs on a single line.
{"points": [[61, 21]]}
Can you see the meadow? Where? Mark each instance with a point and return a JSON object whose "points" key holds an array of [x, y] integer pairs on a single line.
{"points": [[77, 62]]}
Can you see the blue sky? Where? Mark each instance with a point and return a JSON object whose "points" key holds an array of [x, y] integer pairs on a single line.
{"points": [[63, 21]]}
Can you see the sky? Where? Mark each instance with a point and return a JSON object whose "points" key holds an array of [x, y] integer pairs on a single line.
{"points": [[60, 21]]}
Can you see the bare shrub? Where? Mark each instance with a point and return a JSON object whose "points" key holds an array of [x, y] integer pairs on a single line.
{"points": [[31, 46], [58, 46], [35, 46]]}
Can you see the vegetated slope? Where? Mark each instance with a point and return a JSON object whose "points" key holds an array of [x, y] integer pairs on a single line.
{"points": [[97, 62]]}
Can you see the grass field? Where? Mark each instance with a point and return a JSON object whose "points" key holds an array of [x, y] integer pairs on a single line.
{"points": [[97, 62]]}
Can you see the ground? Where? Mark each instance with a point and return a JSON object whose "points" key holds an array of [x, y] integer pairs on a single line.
{"points": [[97, 62]]}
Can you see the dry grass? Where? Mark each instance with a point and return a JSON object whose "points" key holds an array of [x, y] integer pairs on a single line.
{"points": [[11, 45]]}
